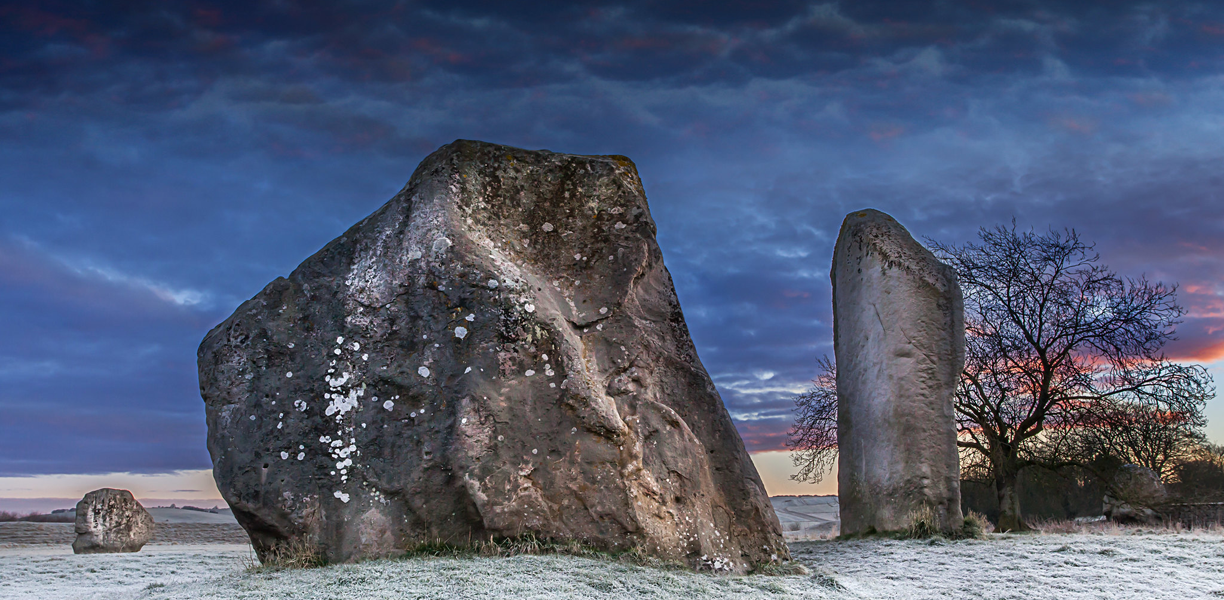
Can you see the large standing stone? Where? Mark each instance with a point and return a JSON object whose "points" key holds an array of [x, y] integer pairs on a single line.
{"points": [[110, 520], [899, 338], [496, 351]]}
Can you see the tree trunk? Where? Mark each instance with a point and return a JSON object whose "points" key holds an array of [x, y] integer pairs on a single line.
{"points": [[1006, 476]]}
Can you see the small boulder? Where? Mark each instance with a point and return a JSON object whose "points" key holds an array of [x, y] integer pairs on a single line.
{"points": [[109, 520], [1135, 496]]}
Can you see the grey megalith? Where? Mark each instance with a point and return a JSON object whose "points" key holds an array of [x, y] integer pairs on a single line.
{"points": [[497, 351], [899, 339]]}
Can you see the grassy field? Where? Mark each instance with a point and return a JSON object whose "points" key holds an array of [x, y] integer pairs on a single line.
{"points": [[1113, 564]]}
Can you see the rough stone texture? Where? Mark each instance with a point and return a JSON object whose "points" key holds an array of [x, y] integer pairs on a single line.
{"points": [[1136, 496], [899, 338], [496, 351], [110, 520]]}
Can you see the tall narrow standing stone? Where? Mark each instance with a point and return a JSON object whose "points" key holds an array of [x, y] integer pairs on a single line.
{"points": [[899, 338]]}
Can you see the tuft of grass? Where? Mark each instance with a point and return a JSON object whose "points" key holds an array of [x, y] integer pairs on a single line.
{"points": [[922, 525], [1107, 527], [975, 527], [827, 581], [781, 569], [296, 553], [527, 543]]}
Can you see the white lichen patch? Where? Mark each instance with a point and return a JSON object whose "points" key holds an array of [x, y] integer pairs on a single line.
{"points": [[388, 405], [467, 370], [547, 227], [470, 318], [603, 310], [492, 284], [423, 371], [289, 374], [529, 373], [619, 225], [284, 456], [461, 332], [342, 496], [441, 244], [301, 455], [529, 307], [341, 404]]}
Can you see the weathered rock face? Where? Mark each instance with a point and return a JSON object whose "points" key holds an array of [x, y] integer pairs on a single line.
{"points": [[1135, 496], [109, 520], [899, 338], [496, 351]]}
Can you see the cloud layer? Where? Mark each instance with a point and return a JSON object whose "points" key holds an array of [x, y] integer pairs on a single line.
{"points": [[162, 163]]}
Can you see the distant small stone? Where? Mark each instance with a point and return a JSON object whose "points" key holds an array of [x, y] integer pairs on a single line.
{"points": [[110, 520], [1134, 496]]}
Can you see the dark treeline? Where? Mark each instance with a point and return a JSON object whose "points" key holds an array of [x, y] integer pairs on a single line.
{"points": [[1075, 491]]}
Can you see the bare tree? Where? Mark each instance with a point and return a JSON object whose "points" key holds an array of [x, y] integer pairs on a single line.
{"points": [[1052, 340], [813, 438]]}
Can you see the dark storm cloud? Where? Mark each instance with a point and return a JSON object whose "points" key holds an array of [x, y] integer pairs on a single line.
{"points": [[163, 161]]}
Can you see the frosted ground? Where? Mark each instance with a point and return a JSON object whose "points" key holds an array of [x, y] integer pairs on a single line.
{"points": [[1029, 567]]}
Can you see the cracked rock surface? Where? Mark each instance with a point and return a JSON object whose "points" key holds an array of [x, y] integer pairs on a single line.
{"points": [[496, 351], [899, 338]]}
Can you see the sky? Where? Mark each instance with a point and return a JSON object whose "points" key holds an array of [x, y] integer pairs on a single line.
{"points": [[160, 162]]}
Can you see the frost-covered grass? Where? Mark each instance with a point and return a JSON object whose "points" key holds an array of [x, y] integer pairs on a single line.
{"points": [[1123, 565], [1126, 565], [46, 572]]}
